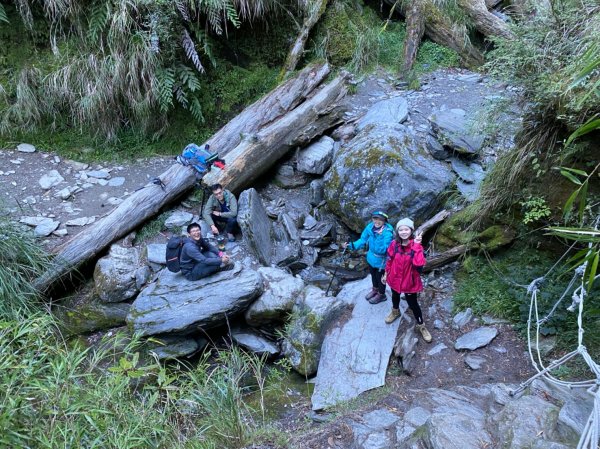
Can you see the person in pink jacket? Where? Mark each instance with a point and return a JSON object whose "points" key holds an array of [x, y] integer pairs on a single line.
{"points": [[405, 261]]}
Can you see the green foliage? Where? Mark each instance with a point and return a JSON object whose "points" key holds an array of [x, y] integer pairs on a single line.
{"points": [[58, 395], [356, 38], [555, 59], [489, 288], [22, 259], [228, 90], [151, 229], [114, 66], [535, 209]]}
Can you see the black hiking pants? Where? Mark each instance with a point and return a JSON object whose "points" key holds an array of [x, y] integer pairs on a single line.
{"points": [[231, 224], [376, 275], [411, 299]]}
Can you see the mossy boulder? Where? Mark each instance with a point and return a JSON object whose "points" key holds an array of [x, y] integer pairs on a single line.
{"points": [[309, 321], [86, 313], [120, 275], [384, 167], [455, 231]]}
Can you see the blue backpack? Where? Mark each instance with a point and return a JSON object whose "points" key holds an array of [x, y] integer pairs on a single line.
{"points": [[201, 159]]}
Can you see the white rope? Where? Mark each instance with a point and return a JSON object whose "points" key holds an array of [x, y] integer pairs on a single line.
{"points": [[590, 435]]}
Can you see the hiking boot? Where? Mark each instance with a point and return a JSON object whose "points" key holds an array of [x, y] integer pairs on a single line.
{"points": [[371, 294], [379, 297], [230, 237], [227, 267], [395, 313], [424, 333]]}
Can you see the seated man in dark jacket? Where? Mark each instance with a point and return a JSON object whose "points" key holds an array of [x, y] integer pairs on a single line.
{"points": [[199, 258]]}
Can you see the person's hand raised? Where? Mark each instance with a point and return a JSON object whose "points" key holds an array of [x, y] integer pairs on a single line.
{"points": [[419, 238]]}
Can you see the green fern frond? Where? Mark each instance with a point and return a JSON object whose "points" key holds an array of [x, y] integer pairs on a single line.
{"points": [[98, 20], [181, 96], [188, 78], [183, 10], [190, 50], [232, 15], [196, 110], [3, 16], [166, 81]]}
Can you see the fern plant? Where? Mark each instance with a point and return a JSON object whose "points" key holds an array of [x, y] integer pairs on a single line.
{"points": [[121, 63]]}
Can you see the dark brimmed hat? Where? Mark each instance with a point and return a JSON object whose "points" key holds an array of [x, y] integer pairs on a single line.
{"points": [[380, 214]]}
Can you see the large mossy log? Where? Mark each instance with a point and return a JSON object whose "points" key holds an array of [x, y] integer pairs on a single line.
{"points": [[293, 112]]}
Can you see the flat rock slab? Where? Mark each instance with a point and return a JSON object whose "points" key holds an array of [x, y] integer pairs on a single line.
{"points": [[476, 339], [392, 110], [254, 342], [173, 304], [355, 352]]}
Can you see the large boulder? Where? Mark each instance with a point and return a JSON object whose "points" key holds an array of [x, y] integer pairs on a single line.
{"points": [[526, 420], [384, 167], [451, 128], [311, 318], [116, 275], [84, 313], [317, 157], [281, 291], [255, 225], [173, 304]]}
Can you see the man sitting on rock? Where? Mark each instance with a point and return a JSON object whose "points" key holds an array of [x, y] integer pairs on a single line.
{"points": [[199, 258], [221, 207]]}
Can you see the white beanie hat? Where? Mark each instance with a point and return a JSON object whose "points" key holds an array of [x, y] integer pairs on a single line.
{"points": [[406, 222]]}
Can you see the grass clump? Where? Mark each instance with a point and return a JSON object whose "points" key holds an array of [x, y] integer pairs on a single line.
{"points": [[59, 395], [21, 260]]}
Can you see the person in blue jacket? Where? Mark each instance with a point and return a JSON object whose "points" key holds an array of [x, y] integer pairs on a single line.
{"points": [[377, 235]]}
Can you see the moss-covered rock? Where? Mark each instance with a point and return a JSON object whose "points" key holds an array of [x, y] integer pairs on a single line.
{"points": [[85, 313], [456, 231], [384, 167], [306, 329]]}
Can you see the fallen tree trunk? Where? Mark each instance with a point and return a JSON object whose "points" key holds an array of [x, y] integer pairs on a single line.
{"points": [[257, 153], [433, 221], [415, 28], [441, 30], [146, 202], [314, 11], [446, 257], [485, 22]]}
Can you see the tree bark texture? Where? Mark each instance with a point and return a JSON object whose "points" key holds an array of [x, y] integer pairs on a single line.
{"points": [[433, 221], [485, 22], [315, 10], [257, 153], [441, 30], [272, 110], [446, 257], [415, 28]]}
